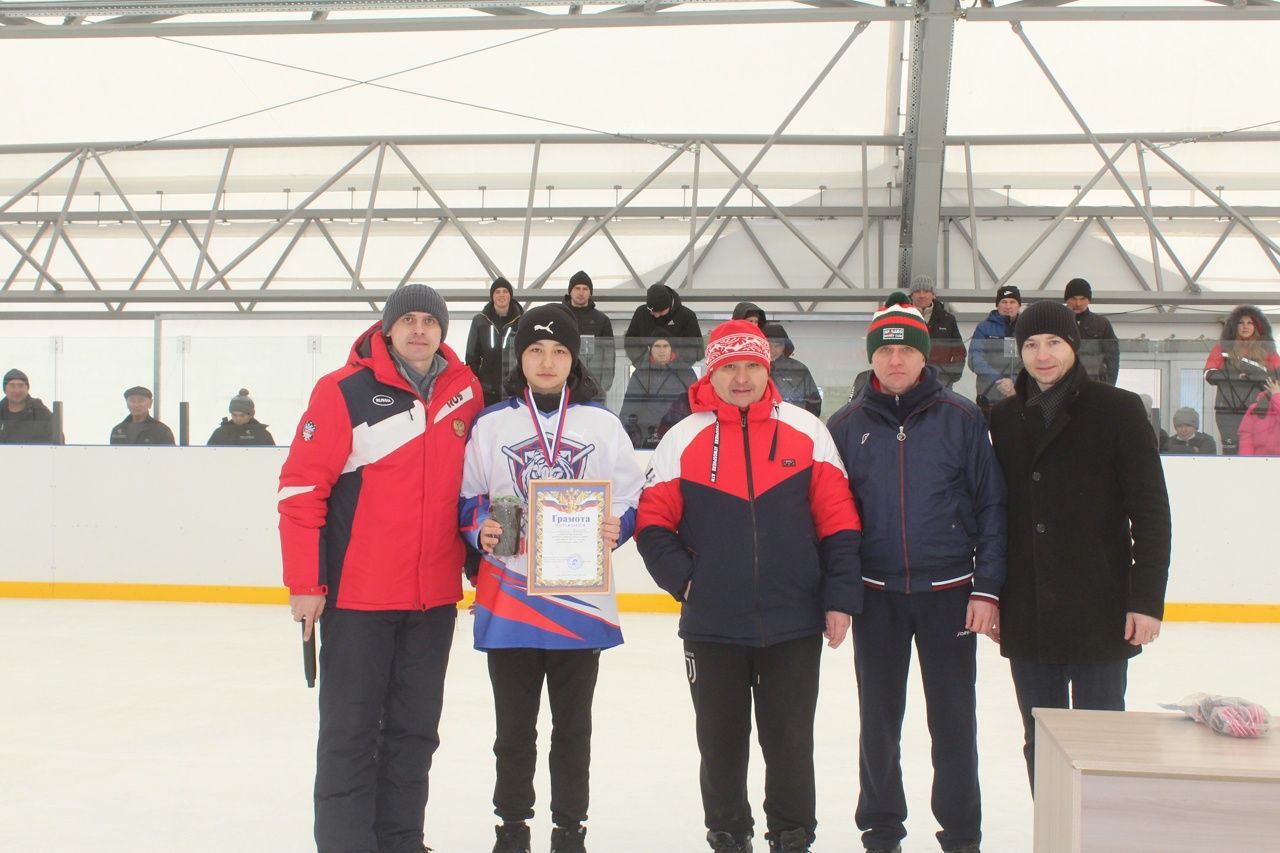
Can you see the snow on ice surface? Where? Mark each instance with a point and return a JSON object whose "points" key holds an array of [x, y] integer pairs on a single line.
{"points": [[188, 728]]}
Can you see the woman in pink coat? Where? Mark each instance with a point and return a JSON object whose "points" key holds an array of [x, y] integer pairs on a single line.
{"points": [[1260, 429]]}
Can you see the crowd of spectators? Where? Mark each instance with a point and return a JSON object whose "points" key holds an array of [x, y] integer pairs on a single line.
{"points": [[664, 349]]}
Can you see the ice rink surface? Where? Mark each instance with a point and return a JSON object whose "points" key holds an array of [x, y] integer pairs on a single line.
{"points": [[187, 727]]}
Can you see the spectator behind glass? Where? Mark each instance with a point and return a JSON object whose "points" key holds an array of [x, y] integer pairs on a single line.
{"points": [[139, 427], [23, 418], [596, 331], [750, 312], [1260, 429], [663, 314], [795, 382], [241, 428], [993, 354], [657, 395], [1238, 366], [946, 347], [1099, 348], [491, 338], [1187, 438]]}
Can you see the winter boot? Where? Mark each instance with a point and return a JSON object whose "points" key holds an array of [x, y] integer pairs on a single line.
{"points": [[569, 839], [790, 841], [724, 842], [512, 838]]}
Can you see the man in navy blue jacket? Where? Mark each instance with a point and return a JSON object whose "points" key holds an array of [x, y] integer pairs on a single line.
{"points": [[932, 502]]}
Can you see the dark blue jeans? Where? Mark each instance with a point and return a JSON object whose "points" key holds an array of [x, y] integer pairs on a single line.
{"points": [[1093, 687], [883, 637]]}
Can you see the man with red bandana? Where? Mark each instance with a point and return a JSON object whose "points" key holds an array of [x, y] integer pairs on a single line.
{"points": [[747, 520]]}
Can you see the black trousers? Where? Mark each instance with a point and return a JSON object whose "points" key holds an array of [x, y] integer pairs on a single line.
{"points": [[783, 679], [517, 676], [1093, 687], [1228, 433], [381, 690], [883, 636]]}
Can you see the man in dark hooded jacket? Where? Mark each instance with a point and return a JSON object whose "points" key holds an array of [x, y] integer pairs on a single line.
{"points": [[662, 316], [596, 331], [23, 418], [750, 312], [795, 382], [492, 334]]}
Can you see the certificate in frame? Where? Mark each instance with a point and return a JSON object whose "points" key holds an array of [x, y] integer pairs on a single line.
{"points": [[567, 554]]}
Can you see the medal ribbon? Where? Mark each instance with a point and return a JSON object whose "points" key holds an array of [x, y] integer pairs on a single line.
{"points": [[549, 453]]}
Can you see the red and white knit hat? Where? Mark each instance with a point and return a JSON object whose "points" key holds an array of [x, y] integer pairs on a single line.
{"points": [[898, 322], [737, 340]]}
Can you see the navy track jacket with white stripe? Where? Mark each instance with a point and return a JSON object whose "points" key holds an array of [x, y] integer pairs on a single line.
{"points": [[928, 488]]}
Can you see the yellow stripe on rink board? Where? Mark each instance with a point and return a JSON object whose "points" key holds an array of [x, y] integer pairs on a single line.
{"points": [[628, 602], [146, 592], [1175, 612]]}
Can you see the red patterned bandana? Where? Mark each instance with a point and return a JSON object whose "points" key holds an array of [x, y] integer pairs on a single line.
{"points": [[737, 340]]}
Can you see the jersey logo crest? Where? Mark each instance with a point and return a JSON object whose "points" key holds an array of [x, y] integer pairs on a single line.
{"points": [[527, 462]]}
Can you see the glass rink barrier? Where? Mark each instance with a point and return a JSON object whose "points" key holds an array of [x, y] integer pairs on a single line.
{"points": [[1203, 396]]}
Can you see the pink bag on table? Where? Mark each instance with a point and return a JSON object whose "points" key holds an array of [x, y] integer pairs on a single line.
{"points": [[1226, 715]]}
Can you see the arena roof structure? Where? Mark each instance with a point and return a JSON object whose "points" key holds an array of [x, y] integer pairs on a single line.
{"points": [[812, 155]]}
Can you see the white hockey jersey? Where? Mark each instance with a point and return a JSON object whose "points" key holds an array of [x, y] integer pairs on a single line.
{"points": [[503, 454]]}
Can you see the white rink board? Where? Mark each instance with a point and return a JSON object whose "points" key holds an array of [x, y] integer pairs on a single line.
{"points": [[207, 516]]}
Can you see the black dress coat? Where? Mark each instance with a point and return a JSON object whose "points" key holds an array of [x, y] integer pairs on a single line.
{"points": [[1089, 528]]}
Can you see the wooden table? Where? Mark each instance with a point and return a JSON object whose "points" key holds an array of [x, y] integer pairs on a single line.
{"points": [[1136, 782]]}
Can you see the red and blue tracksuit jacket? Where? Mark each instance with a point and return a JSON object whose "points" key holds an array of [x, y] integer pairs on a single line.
{"points": [[752, 507], [369, 492]]}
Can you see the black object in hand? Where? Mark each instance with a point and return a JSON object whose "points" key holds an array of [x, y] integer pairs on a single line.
{"points": [[309, 654]]}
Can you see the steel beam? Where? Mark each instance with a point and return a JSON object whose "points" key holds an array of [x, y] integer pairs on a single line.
{"points": [[932, 39], [869, 299]]}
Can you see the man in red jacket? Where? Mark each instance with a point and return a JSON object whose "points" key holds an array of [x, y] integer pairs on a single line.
{"points": [[748, 521], [369, 539]]}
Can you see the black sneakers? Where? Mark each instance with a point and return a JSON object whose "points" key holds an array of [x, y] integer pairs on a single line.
{"points": [[512, 838], [790, 841], [568, 839], [724, 842]]}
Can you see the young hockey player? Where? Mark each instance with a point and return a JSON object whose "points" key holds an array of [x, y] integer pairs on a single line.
{"points": [[547, 430]]}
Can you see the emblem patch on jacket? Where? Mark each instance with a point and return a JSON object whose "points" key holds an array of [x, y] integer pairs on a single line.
{"points": [[459, 427], [308, 430]]}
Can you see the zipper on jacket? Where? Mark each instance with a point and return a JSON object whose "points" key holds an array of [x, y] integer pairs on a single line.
{"points": [[755, 532], [902, 499]]}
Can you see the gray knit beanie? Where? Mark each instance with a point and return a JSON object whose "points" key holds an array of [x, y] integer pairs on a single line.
{"points": [[921, 282], [242, 403], [415, 297]]}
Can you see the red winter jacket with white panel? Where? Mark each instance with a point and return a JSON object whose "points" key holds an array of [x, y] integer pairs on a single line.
{"points": [[369, 493], [753, 507]]}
